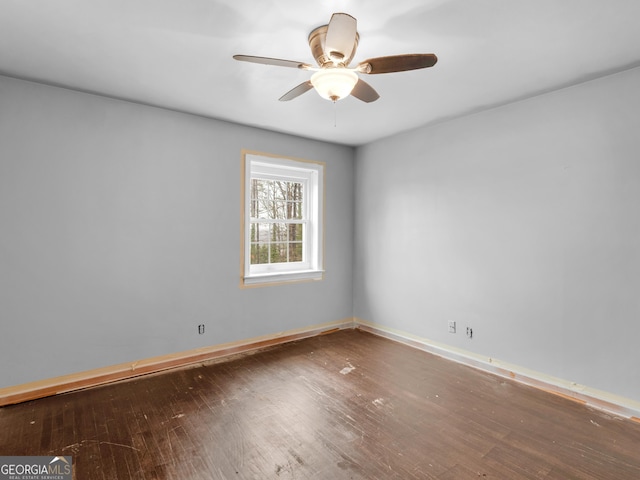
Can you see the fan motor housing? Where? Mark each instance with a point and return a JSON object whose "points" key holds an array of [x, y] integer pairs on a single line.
{"points": [[317, 43]]}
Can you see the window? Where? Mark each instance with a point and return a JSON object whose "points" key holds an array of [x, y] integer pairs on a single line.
{"points": [[282, 211]]}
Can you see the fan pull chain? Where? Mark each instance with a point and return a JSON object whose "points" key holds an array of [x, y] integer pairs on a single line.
{"points": [[335, 114]]}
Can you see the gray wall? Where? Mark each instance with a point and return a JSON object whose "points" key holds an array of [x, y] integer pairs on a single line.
{"points": [[120, 234], [521, 222]]}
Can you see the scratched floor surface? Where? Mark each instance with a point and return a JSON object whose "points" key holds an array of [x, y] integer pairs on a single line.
{"points": [[348, 405]]}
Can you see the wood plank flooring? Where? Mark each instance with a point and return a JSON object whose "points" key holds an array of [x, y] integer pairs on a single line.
{"points": [[349, 405]]}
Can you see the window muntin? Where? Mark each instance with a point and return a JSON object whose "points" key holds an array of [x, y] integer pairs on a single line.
{"points": [[282, 219]]}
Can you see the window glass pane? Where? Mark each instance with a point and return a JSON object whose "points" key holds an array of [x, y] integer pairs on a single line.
{"points": [[280, 190], [259, 253], [279, 210], [279, 232], [279, 252], [254, 198], [256, 256], [278, 246], [295, 232], [264, 209], [260, 193], [263, 232], [295, 251], [295, 242], [294, 210], [260, 240]]}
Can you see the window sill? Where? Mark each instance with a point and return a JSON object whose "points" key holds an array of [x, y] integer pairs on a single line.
{"points": [[283, 277]]}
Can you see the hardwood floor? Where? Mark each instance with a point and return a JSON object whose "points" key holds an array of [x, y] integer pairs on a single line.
{"points": [[349, 405]]}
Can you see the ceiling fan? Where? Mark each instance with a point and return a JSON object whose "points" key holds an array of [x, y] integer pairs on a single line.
{"points": [[334, 46]]}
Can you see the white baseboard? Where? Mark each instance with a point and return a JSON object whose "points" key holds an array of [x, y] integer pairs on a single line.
{"points": [[101, 376], [614, 404], [606, 401]]}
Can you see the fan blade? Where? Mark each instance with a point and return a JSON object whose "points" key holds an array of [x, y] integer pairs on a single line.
{"points": [[297, 91], [365, 92], [272, 61], [341, 37], [397, 63]]}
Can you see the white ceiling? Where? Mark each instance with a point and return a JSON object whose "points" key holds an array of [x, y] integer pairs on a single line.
{"points": [[178, 55]]}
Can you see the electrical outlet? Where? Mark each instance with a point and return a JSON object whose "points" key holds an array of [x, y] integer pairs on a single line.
{"points": [[452, 326], [469, 332], [201, 328]]}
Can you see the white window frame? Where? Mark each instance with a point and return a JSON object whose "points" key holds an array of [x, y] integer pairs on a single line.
{"points": [[311, 175]]}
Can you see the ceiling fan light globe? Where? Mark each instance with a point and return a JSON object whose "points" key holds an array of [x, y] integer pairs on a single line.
{"points": [[334, 83]]}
